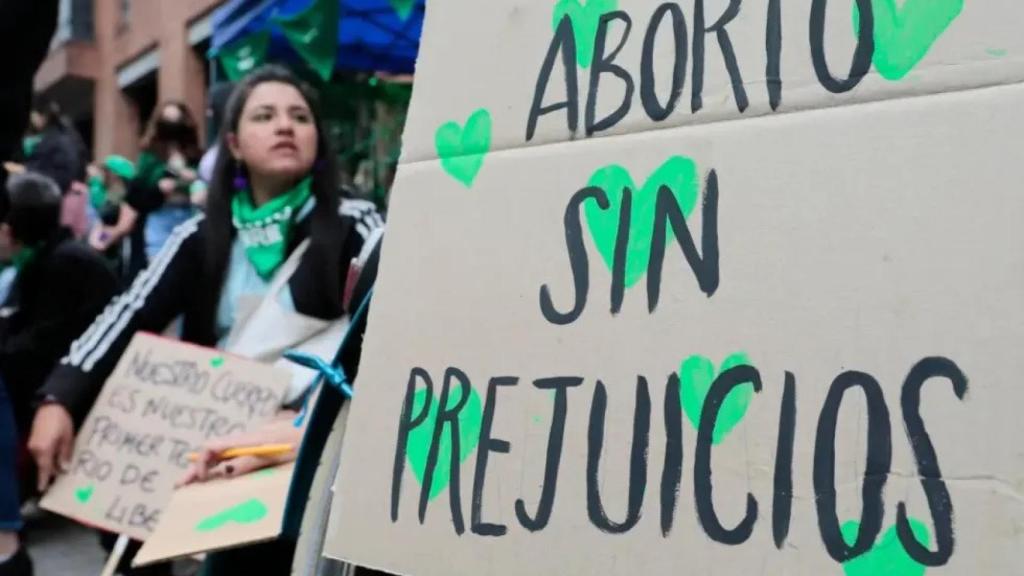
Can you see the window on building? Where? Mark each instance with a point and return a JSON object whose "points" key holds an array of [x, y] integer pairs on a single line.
{"points": [[63, 33], [74, 22]]}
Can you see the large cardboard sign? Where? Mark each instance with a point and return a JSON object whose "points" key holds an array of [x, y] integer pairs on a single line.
{"points": [[706, 287], [164, 400], [220, 514]]}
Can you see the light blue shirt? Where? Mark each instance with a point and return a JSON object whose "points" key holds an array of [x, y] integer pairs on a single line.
{"points": [[242, 281]]}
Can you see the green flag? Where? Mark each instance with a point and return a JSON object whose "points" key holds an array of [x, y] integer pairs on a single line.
{"points": [[314, 34], [245, 55], [403, 7]]}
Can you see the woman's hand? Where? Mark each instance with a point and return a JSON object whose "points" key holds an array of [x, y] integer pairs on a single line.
{"points": [[53, 437], [167, 186], [280, 430], [100, 238]]}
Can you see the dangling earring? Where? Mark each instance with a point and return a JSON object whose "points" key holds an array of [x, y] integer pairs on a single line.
{"points": [[240, 182]]}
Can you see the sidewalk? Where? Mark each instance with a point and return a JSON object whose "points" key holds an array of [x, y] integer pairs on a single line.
{"points": [[60, 547]]}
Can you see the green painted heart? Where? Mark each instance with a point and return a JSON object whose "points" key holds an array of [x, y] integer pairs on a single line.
{"points": [[696, 374], [887, 557], [217, 362], [462, 149], [84, 494], [420, 438], [678, 173], [248, 512], [585, 19], [904, 34]]}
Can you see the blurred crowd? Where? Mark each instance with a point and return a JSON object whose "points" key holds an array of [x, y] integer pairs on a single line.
{"points": [[214, 245]]}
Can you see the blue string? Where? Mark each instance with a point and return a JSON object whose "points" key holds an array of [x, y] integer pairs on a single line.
{"points": [[333, 375]]}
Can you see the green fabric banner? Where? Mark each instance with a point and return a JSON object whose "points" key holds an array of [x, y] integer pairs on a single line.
{"points": [[245, 55], [403, 8], [314, 34]]}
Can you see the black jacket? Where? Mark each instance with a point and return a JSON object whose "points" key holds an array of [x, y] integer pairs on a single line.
{"points": [[58, 156], [171, 287], [52, 301]]}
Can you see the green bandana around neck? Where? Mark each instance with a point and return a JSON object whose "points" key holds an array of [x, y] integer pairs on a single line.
{"points": [[265, 231]]}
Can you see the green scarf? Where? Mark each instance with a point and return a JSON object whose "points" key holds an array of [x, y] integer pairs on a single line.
{"points": [[150, 169], [29, 144], [24, 257], [265, 230], [97, 192]]}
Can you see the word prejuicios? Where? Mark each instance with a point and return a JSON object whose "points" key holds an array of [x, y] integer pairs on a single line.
{"points": [[455, 384]]}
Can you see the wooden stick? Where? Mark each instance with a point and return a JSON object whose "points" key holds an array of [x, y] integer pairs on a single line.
{"points": [[115, 556]]}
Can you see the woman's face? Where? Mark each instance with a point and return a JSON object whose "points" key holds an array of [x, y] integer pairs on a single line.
{"points": [[276, 136], [37, 121]]}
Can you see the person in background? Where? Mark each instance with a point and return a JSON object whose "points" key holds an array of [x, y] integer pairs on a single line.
{"points": [[218, 101], [25, 32], [52, 147], [108, 187], [42, 312], [55, 149], [159, 197], [274, 192]]}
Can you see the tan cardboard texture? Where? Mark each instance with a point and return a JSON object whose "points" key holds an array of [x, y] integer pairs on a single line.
{"points": [[164, 400], [794, 353], [219, 515]]}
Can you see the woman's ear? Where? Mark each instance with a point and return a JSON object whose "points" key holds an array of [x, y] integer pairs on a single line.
{"points": [[233, 147]]}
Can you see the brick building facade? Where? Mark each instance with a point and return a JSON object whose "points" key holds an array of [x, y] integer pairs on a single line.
{"points": [[113, 60]]}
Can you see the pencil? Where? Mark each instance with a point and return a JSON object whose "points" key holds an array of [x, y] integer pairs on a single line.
{"points": [[263, 450]]}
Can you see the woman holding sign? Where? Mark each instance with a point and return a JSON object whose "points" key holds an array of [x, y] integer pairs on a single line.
{"points": [[278, 248]]}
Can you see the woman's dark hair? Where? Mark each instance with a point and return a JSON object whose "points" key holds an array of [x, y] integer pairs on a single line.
{"points": [[159, 135], [32, 208], [324, 252]]}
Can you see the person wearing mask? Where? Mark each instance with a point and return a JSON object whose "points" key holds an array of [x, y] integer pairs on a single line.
{"points": [[275, 213], [159, 197], [43, 312]]}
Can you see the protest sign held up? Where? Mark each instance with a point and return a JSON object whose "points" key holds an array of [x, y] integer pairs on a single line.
{"points": [[717, 287], [163, 401]]}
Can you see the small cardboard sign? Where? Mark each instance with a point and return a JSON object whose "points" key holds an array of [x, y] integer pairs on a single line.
{"points": [[164, 400], [221, 514]]}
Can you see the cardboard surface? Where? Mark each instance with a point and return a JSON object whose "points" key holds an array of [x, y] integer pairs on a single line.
{"points": [[868, 273], [219, 515], [164, 400]]}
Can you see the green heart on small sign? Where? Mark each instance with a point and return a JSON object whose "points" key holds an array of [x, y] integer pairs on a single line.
{"points": [[585, 19], [470, 418], [84, 494], [462, 149], [248, 512], [696, 375], [217, 362], [887, 557], [905, 33], [679, 174]]}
